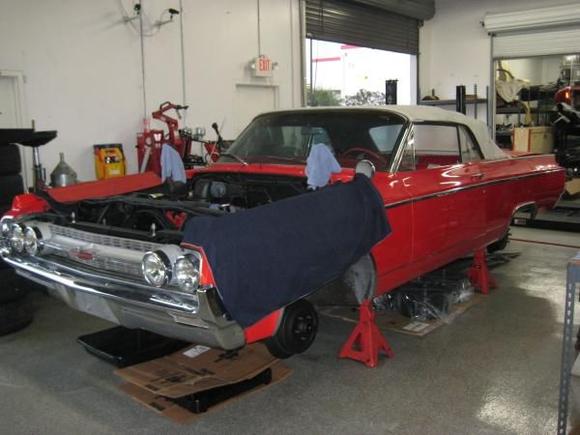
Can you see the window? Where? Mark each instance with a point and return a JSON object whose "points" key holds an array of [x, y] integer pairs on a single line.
{"points": [[385, 136], [286, 137], [408, 158], [436, 145], [470, 152]]}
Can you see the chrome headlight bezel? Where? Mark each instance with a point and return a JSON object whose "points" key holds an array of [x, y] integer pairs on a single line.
{"points": [[16, 238], [5, 227], [187, 272], [32, 238], [162, 263]]}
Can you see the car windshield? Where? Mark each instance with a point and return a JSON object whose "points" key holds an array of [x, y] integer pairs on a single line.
{"points": [[287, 137]]}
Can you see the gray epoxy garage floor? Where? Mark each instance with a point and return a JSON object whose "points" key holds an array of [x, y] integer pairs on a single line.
{"points": [[493, 370]]}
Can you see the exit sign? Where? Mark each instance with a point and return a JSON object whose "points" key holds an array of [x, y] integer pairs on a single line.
{"points": [[263, 66]]}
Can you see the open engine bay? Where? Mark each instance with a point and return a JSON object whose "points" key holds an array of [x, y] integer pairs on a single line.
{"points": [[158, 214]]}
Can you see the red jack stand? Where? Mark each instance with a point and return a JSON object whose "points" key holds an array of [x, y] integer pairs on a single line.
{"points": [[479, 273], [366, 341]]}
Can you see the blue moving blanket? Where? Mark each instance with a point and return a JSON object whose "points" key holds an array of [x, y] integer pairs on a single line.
{"points": [[270, 256]]}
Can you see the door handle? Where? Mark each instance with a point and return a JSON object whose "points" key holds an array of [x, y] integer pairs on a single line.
{"points": [[477, 176]]}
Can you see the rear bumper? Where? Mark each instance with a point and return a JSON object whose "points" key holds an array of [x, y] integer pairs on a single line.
{"points": [[134, 305]]}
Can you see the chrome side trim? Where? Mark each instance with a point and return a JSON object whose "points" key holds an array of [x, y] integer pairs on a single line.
{"points": [[468, 187], [524, 205]]}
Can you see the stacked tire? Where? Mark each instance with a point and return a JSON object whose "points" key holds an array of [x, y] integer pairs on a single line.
{"points": [[15, 312]]}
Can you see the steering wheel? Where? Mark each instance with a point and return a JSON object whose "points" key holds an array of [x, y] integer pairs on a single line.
{"points": [[370, 153]]}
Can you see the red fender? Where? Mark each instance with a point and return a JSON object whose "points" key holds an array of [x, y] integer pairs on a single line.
{"points": [[27, 203]]}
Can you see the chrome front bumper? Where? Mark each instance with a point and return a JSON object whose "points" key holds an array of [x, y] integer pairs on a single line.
{"points": [[135, 305]]}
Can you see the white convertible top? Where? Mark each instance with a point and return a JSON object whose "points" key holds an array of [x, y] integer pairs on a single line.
{"points": [[488, 147], [417, 114]]}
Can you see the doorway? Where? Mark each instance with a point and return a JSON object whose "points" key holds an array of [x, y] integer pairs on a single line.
{"points": [[349, 75]]}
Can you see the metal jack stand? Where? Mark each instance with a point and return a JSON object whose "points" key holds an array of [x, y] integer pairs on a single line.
{"points": [[479, 273], [573, 279], [366, 341]]}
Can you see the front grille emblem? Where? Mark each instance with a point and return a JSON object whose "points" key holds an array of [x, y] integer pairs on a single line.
{"points": [[82, 254]]}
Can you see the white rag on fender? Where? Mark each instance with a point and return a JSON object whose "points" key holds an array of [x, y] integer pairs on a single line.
{"points": [[320, 165]]}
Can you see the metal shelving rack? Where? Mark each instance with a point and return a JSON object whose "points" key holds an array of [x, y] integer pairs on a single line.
{"points": [[572, 281], [473, 100]]}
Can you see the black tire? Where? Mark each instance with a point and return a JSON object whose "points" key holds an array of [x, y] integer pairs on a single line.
{"points": [[10, 186], [14, 316], [11, 288], [296, 332], [10, 163]]}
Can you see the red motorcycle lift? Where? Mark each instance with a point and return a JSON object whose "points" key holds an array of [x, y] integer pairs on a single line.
{"points": [[479, 273], [366, 341]]}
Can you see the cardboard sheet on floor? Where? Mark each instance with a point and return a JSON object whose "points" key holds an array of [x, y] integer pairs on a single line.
{"points": [[393, 321], [196, 369], [178, 414]]}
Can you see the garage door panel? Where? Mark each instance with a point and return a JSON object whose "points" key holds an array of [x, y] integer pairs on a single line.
{"points": [[537, 43], [365, 26]]}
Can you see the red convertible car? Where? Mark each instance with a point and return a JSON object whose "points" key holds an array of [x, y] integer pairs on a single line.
{"points": [[115, 248]]}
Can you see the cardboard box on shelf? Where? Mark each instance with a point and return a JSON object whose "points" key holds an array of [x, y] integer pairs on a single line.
{"points": [[533, 139]]}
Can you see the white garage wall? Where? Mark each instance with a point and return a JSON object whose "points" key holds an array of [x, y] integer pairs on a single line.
{"points": [[455, 48], [82, 66]]}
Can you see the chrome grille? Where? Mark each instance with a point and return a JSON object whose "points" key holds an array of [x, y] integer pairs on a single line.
{"points": [[102, 239], [108, 264], [92, 250], [105, 264]]}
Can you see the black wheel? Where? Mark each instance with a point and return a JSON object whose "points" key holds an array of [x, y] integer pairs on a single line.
{"points": [[296, 332], [14, 316], [499, 245], [11, 288], [10, 162]]}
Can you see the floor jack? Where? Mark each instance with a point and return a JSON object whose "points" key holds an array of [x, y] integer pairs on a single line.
{"points": [[479, 273], [366, 341]]}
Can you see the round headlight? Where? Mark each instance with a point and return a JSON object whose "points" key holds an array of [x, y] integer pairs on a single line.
{"points": [[156, 268], [17, 238], [31, 236], [186, 271]]}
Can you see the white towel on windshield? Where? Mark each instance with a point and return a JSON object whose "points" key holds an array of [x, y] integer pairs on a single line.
{"points": [[320, 165], [172, 165]]}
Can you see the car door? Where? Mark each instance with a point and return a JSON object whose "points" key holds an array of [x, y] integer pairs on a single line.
{"points": [[447, 214], [431, 150]]}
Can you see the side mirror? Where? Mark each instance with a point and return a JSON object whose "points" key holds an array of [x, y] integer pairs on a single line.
{"points": [[365, 167]]}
